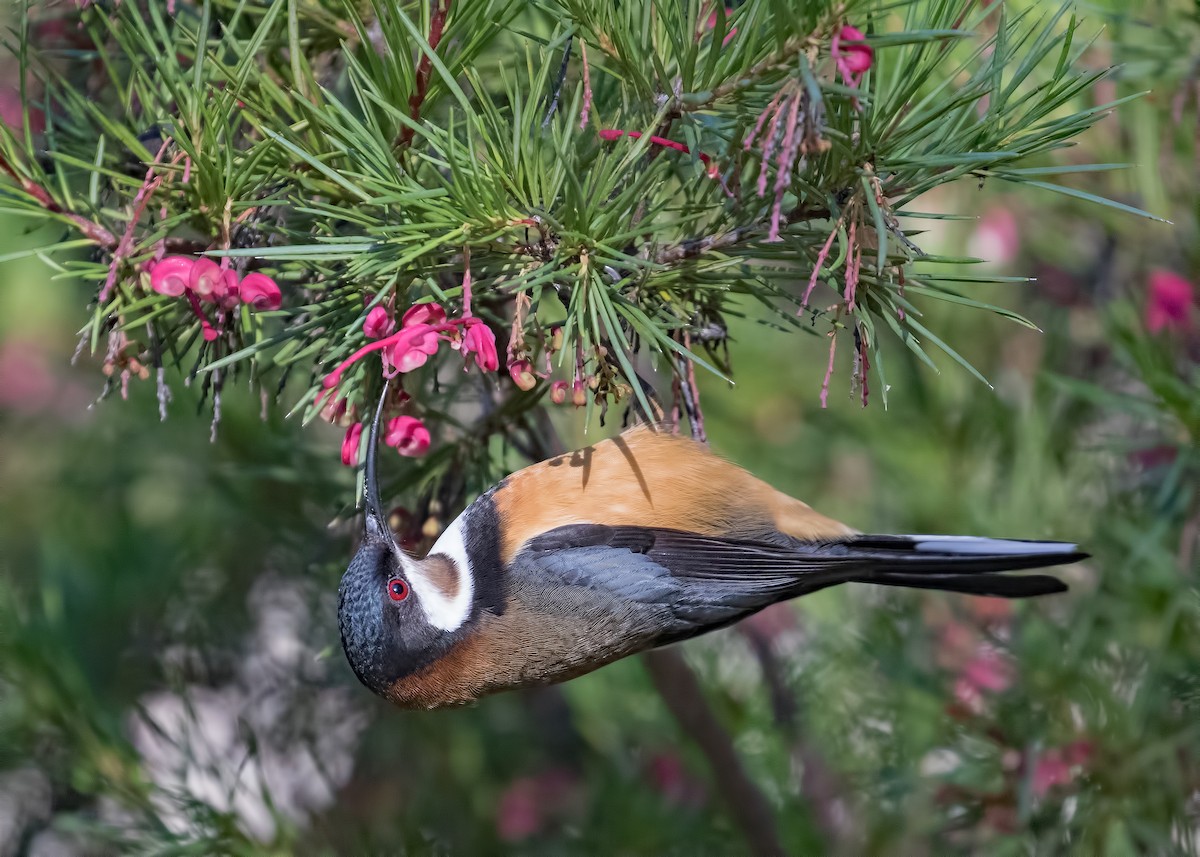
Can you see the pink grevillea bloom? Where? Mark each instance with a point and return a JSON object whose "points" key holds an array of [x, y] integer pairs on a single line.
{"points": [[578, 394], [260, 292], [479, 340], [412, 350], [558, 392], [408, 435], [350, 444], [208, 280], [378, 323], [424, 314], [712, 170], [852, 60], [1169, 304], [172, 275], [521, 371]]}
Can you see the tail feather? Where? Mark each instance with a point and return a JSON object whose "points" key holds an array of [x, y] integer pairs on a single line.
{"points": [[959, 563]]}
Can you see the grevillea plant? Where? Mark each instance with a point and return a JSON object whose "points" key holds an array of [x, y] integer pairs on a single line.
{"points": [[573, 195]]}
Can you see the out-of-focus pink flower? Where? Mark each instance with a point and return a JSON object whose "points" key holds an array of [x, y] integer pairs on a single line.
{"points": [[529, 803], [26, 383], [350, 445], [996, 238], [987, 672], [519, 812], [521, 371], [172, 275], [711, 23], [415, 345], [12, 115], [852, 61], [260, 292], [208, 280], [558, 392], [669, 776], [408, 435], [772, 623], [378, 323], [1059, 766], [423, 314], [479, 340], [1169, 304]]}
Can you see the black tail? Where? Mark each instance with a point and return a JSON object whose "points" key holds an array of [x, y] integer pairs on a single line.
{"points": [[957, 563]]}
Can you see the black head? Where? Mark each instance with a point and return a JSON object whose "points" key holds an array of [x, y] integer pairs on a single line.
{"points": [[385, 633]]}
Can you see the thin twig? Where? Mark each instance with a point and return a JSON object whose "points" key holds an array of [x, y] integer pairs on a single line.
{"points": [[90, 230], [437, 23], [678, 686]]}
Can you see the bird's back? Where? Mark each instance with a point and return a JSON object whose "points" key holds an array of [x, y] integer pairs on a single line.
{"points": [[648, 478]]}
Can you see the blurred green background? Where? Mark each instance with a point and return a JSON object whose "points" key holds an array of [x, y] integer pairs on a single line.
{"points": [[171, 679]]}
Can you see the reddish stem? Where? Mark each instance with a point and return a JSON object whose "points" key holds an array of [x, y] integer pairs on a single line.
{"points": [[829, 369], [616, 133], [90, 230], [437, 22]]}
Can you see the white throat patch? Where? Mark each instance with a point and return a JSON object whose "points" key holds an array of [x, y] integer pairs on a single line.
{"points": [[445, 613]]}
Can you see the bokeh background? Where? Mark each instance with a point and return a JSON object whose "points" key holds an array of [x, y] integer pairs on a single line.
{"points": [[170, 675]]}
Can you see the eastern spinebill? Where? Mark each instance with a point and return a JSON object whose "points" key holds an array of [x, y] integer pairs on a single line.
{"points": [[639, 541]]}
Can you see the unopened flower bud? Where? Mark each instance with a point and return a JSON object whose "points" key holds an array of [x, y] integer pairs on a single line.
{"points": [[558, 392]]}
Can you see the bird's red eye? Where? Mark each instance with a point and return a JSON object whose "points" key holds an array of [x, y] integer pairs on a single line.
{"points": [[397, 589]]}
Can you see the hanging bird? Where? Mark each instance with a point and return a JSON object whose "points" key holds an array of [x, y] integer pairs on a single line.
{"points": [[639, 541]]}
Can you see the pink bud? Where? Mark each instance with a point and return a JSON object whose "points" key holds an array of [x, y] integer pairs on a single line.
{"points": [[408, 435], [378, 324], [170, 276], [414, 346], [260, 292], [578, 394], [521, 371], [479, 340], [350, 445], [208, 280], [854, 59], [558, 392], [423, 314], [1169, 304]]}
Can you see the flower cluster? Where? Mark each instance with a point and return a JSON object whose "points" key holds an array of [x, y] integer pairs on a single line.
{"points": [[203, 280], [422, 330]]}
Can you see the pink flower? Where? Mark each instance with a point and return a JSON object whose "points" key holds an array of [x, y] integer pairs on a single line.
{"points": [[852, 60], [379, 323], [230, 294], [997, 238], [987, 672], [521, 371], [415, 345], [558, 392], [519, 813], [1170, 302], [423, 314], [172, 275], [479, 340], [350, 445], [1058, 766], [408, 435], [260, 292], [208, 280], [578, 394]]}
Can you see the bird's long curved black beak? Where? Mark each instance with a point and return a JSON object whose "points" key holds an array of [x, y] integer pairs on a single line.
{"points": [[376, 522]]}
